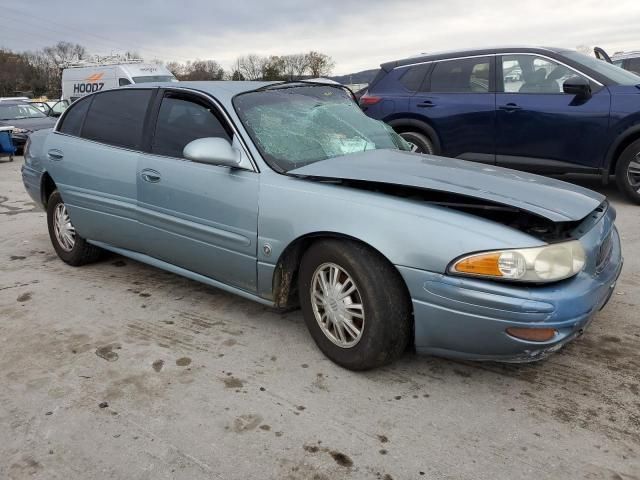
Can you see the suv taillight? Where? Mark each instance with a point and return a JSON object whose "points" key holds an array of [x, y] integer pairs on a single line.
{"points": [[367, 100]]}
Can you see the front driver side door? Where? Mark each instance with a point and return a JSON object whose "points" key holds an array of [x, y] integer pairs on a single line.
{"points": [[199, 217], [541, 128]]}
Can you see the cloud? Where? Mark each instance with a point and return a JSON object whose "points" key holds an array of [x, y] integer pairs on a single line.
{"points": [[357, 34]]}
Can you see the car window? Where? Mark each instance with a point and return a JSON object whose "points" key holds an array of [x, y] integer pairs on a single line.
{"points": [[72, 121], [181, 120], [123, 81], [412, 77], [532, 74], [117, 117], [633, 65], [19, 111], [468, 75], [59, 107]]}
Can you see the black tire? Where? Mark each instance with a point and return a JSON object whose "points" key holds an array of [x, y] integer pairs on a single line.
{"points": [[387, 308], [629, 184], [82, 252], [422, 143]]}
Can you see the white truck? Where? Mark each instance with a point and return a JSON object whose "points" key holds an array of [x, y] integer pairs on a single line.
{"points": [[84, 77]]}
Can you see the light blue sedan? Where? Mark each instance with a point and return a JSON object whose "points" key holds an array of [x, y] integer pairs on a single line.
{"points": [[287, 194]]}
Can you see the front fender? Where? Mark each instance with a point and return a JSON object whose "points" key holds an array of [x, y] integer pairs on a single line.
{"points": [[407, 232]]}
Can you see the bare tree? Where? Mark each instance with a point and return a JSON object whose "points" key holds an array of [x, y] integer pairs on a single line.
{"points": [[295, 65], [320, 65], [251, 66], [177, 68], [204, 70], [63, 52]]}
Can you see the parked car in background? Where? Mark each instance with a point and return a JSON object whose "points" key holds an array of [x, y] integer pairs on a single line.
{"points": [[287, 194], [51, 108], [25, 118], [565, 112], [80, 79], [627, 60]]}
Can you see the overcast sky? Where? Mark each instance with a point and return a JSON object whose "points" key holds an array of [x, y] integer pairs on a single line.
{"points": [[357, 34]]}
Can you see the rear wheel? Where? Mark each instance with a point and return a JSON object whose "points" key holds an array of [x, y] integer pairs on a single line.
{"points": [[354, 304], [70, 247], [628, 171], [419, 142]]}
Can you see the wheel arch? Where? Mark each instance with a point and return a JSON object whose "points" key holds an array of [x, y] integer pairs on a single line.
{"points": [[402, 125], [285, 275], [615, 150], [47, 187]]}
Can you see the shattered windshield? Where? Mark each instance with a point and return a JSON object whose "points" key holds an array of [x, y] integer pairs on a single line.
{"points": [[294, 126]]}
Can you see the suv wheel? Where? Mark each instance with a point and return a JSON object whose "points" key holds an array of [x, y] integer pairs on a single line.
{"points": [[419, 142], [628, 171], [70, 247], [354, 303]]}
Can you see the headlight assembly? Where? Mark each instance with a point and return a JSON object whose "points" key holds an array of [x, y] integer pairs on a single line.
{"points": [[540, 264], [21, 130]]}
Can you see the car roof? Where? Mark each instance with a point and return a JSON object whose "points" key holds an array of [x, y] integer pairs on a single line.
{"points": [[387, 66], [223, 90], [14, 102]]}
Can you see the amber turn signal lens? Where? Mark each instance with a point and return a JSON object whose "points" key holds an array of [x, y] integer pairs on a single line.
{"points": [[480, 265], [533, 334]]}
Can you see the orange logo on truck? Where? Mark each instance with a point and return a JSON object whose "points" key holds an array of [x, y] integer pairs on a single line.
{"points": [[94, 78]]}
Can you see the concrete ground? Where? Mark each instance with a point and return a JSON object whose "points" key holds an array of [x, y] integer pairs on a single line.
{"points": [[119, 370]]}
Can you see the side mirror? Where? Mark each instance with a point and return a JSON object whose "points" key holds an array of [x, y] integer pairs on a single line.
{"points": [[212, 150], [578, 86]]}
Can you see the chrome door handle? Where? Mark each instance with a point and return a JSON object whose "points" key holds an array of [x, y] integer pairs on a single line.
{"points": [[55, 154], [150, 176]]}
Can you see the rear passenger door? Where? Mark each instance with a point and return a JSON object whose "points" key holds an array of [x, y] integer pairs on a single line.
{"points": [[196, 216], [458, 101], [93, 158]]}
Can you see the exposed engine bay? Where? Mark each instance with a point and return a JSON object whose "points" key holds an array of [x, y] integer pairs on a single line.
{"points": [[527, 222]]}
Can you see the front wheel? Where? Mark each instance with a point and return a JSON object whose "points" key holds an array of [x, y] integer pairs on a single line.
{"points": [[70, 247], [354, 303], [628, 171], [419, 142]]}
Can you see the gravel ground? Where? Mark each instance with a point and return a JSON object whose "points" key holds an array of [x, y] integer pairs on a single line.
{"points": [[119, 370]]}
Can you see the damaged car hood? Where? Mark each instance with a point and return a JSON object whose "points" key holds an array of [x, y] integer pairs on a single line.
{"points": [[546, 197]]}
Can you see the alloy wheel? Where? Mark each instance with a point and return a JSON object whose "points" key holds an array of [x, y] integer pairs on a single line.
{"points": [[63, 229], [337, 305], [633, 173]]}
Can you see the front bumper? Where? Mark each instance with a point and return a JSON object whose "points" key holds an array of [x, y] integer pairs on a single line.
{"points": [[467, 318]]}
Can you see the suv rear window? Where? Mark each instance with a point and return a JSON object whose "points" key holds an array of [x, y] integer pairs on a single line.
{"points": [[468, 75], [413, 77], [117, 117]]}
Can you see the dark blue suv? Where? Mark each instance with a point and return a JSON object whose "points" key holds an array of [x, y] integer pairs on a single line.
{"points": [[543, 110]]}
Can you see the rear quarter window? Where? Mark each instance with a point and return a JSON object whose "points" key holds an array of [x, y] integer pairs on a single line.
{"points": [[117, 117], [73, 118], [413, 77]]}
